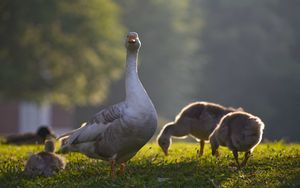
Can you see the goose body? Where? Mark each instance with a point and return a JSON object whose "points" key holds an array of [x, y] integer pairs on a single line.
{"points": [[240, 132], [118, 132], [197, 119]]}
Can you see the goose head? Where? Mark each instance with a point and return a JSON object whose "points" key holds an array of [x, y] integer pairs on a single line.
{"points": [[132, 41]]}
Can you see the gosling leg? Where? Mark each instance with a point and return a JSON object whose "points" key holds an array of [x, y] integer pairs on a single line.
{"points": [[236, 157], [247, 155], [201, 147], [217, 154]]}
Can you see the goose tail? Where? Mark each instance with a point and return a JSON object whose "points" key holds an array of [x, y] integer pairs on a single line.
{"points": [[67, 134], [64, 138]]}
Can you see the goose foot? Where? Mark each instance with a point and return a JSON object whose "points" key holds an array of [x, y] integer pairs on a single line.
{"points": [[122, 169], [113, 169]]}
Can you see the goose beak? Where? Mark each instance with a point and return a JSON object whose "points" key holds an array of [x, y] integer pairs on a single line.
{"points": [[132, 39]]}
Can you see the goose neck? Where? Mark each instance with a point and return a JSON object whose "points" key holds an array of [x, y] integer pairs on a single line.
{"points": [[134, 88], [131, 63]]}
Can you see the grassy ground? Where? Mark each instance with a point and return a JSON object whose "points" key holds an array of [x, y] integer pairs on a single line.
{"points": [[272, 165]]}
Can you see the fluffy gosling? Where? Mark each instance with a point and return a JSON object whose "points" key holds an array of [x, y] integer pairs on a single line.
{"points": [[240, 132], [45, 163]]}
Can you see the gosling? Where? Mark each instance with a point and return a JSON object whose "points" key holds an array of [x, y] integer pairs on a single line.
{"points": [[240, 132], [197, 119], [45, 163]]}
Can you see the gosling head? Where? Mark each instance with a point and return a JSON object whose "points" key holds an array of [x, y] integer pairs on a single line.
{"points": [[132, 41], [49, 146], [164, 142]]}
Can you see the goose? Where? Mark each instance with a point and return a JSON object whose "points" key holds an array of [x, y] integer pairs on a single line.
{"points": [[45, 163], [118, 132], [240, 132], [39, 137], [197, 119]]}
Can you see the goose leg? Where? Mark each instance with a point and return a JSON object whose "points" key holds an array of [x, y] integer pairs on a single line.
{"points": [[122, 169], [236, 157], [247, 155], [113, 168], [201, 147]]}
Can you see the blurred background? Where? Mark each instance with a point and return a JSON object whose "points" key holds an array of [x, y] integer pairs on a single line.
{"points": [[61, 61]]}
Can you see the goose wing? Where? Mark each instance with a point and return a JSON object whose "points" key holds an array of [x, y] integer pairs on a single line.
{"points": [[94, 128]]}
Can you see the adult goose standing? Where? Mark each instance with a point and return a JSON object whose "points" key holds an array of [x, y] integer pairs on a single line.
{"points": [[118, 132]]}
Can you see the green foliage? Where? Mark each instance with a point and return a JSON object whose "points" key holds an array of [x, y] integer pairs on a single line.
{"points": [[272, 165], [62, 51], [249, 60]]}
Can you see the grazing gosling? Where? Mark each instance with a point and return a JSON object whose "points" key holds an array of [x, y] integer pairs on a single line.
{"points": [[240, 132], [45, 163], [197, 119]]}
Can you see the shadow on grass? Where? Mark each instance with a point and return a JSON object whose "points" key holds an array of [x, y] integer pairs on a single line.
{"points": [[150, 172]]}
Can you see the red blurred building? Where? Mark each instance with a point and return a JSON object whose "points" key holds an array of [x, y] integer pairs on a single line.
{"points": [[19, 117]]}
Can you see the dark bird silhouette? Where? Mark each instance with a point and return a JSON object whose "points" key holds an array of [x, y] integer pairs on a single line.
{"points": [[39, 137]]}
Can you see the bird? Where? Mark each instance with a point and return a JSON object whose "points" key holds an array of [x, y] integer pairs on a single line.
{"points": [[39, 137], [45, 163], [116, 133], [197, 119], [240, 132]]}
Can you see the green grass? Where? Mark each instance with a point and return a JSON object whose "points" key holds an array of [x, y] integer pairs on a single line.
{"points": [[272, 165]]}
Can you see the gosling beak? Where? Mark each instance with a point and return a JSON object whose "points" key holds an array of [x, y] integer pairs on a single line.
{"points": [[166, 152]]}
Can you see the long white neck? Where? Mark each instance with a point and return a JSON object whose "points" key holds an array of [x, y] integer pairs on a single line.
{"points": [[134, 88]]}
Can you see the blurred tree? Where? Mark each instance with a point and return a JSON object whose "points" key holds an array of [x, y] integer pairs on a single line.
{"points": [[61, 51], [247, 45]]}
